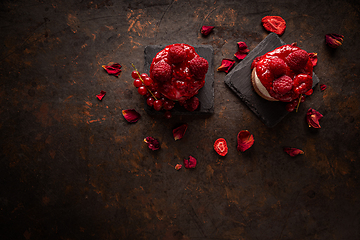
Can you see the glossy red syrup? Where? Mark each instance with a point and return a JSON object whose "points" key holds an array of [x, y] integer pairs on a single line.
{"points": [[183, 84]]}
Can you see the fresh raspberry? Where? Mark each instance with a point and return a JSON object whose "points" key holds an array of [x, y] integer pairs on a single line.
{"points": [[297, 60], [177, 54], [277, 66], [282, 85], [161, 71], [255, 61], [199, 67], [302, 83]]}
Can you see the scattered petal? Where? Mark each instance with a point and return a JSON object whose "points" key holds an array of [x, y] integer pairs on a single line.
{"points": [[226, 65], [244, 140], [113, 69], [323, 87], [206, 30], [101, 95], [191, 163], [152, 143], [178, 167], [334, 40], [131, 115], [313, 58], [220, 146], [179, 132], [242, 52], [313, 117], [293, 151], [275, 24], [308, 93]]}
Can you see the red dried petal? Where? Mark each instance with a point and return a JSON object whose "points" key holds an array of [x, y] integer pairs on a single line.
{"points": [[113, 69], [178, 166], [334, 40], [308, 93], [313, 58], [313, 117], [293, 151], [206, 30], [243, 51], [226, 65], [152, 143], [220, 146], [323, 87], [244, 140], [191, 163], [101, 95], [179, 132], [275, 24], [131, 115]]}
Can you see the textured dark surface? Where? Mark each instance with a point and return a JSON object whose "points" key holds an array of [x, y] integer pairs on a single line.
{"points": [[238, 79], [71, 167], [206, 93]]}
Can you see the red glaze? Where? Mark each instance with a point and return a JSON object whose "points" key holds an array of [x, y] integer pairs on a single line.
{"points": [[183, 84], [267, 76]]}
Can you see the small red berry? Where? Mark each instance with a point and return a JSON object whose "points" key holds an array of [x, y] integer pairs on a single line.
{"points": [[157, 105], [134, 74], [142, 90], [137, 83]]}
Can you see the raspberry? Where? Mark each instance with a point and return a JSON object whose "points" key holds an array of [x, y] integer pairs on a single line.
{"points": [[302, 83], [297, 60], [177, 54], [161, 71], [277, 66], [282, 85], [199, 67]]}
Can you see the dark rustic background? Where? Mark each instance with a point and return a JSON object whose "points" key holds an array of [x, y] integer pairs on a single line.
{"points": [[72, 167]]}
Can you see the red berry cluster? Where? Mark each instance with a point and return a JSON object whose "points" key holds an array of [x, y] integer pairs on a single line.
{"points": [[148, 88]]}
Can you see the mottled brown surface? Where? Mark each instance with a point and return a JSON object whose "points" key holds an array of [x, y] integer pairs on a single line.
{"points": [[73, 168]]}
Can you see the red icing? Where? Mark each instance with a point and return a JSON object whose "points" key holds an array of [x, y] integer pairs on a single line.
{"points": [[183, 84], [267, 76]]}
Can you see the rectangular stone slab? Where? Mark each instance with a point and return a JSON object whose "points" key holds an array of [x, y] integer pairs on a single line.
{"points": [[239, 80], [206, 93]]}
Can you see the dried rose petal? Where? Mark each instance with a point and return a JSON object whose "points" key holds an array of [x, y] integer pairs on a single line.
{"points": [[313, 58], [131, 115], [179, 132], [226, 65], [244, 140], [313, 117], [275, 24], [191, 163], [323, 87], [293, 151], [113, 69], [242, 52], [206, 30], [178, 166], [334, 40], [308, 93], [101, 95], [220, 146], [152, 143]]}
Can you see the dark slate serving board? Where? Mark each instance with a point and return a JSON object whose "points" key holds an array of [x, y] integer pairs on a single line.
{"points": [[206, 93], [239, 80]]}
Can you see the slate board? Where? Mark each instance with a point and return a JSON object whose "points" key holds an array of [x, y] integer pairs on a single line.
{"points": [[206, 93], [239, 80]]}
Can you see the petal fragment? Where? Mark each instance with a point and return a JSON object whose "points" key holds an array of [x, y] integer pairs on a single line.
{"points": [[206, 30], [113, 69], [313, 117], [152, 143], [323, 87], [220, 146], [178, 166], [244, 140], [313, 58], [275, 24], [131, 115], [179, 132], [190, 163], [226, 65], [101, 95], [242, 51], [293, 151], [334, 40]]}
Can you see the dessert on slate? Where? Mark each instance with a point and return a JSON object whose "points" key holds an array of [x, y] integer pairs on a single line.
{"points": [[284, 74], [177, 73]]}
